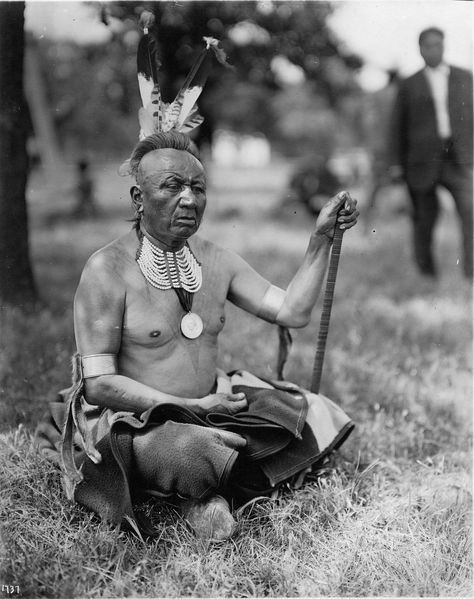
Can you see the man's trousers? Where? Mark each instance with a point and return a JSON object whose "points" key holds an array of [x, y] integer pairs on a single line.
{"points": [[457, 179]]}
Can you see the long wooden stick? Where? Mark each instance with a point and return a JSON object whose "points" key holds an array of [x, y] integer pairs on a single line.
{"points": [[327, 306]]}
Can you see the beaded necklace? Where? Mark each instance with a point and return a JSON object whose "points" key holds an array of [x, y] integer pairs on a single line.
{"points": [[173, 270], [168, 270]]}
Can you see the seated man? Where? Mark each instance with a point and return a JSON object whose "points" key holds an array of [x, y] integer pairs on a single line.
{"points": [[147, 314], [148, 406]]}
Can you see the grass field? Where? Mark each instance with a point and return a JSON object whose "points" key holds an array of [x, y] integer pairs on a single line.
{"points": [[390, 517]]}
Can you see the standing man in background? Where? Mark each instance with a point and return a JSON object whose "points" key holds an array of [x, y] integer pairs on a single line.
{"points": [[432, 145]]}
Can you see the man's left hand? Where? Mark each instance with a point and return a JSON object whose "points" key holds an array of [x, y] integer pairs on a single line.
{"points": [[347, 218]]}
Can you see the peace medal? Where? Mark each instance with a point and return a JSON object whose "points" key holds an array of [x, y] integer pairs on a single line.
{"points": [[191, 325]]}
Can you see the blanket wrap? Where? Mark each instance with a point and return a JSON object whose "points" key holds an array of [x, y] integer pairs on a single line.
{"points": [[287, 429]]}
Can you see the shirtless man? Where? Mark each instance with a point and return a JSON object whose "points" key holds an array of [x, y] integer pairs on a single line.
{"points": [[117, 312], [135, 353]]}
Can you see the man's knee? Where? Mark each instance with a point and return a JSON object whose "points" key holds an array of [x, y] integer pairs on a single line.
{"points": [[186, 459]]}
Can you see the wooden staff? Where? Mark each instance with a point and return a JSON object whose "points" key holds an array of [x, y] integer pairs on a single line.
{"points": [[327, 304]]}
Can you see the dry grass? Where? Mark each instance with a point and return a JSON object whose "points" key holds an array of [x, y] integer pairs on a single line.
{"points": [[391, 517]]}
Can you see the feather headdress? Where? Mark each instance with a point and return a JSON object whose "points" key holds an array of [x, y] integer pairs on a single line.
{"points": [[156, 116]]}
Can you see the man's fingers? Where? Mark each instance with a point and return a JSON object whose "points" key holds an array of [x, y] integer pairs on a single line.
{"points": [[349, 202], [236, 396], [343, 197], [237, 402], [350, 205], [343, 203], [236, 406], [347, 217]]}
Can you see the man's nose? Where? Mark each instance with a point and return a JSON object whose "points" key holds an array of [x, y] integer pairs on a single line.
{"points": [[187, 195]]}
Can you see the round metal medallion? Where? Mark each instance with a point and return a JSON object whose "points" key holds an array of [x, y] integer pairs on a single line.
{"points": [[191, 325]]}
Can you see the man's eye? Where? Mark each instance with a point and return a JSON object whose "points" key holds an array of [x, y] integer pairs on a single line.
{"points": [[198, 189], [173, 186]]}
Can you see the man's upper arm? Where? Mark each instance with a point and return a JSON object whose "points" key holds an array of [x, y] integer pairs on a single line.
{"points": [[247, 288], [98, 308]]}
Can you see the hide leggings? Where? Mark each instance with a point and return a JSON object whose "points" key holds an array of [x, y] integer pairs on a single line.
{"points": [[184, 460]]}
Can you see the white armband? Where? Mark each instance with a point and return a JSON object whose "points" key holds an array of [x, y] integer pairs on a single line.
{"points": [[271, 303], [98, 364]]}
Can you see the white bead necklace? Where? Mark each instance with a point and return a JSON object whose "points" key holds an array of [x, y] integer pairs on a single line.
{"points": [[167, 270]]}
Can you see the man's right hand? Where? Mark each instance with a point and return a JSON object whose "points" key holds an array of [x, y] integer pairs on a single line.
{"points": [[222, 403]]}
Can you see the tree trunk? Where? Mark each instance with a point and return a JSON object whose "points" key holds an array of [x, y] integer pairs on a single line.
{"points": [[35, 93], [16, 279]]}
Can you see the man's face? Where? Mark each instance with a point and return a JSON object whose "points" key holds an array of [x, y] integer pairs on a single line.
{"points": [[432, 48], [173, 188]]}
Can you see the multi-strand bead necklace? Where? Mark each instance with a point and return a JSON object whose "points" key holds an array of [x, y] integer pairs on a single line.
{"points": [[167, 270], [173, 270]]}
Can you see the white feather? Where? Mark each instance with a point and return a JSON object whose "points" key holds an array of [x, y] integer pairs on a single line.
{"points": [[146, 123], [189, 99], [146, 88]]}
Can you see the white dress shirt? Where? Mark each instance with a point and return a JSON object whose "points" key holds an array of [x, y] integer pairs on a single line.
{"points": [[438, 82]]}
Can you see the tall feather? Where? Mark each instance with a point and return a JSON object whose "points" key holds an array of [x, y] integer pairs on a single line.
{"points": [[183, 105], [191, 122], [148, 62]]}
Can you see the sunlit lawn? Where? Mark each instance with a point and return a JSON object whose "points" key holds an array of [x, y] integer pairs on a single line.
{"points": [[392, 516]]}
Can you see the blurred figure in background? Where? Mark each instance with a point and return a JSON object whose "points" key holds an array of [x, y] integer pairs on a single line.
{"points": [[432, 145], [377, 127], [86, 205], [313, 183]]}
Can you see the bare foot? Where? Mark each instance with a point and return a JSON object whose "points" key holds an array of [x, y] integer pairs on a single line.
{"points": [[210, 519]]}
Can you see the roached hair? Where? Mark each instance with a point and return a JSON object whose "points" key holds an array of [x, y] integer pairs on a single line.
{"points": [[159, 141]]}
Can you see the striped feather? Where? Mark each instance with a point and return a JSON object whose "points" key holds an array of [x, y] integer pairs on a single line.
{"points": [[184, 106], [148, 65], [191, 123], [191, 89]]}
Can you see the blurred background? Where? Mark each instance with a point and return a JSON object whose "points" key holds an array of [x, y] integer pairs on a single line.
{"points": [[311, 87]]}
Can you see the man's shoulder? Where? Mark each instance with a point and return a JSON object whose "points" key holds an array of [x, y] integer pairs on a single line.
{"points": [[207, 248], [460, 72], [209, 251], [113, 258], [413, 79]]}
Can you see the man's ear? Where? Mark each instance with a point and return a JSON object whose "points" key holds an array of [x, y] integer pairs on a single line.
{"points": [[137, 200]]}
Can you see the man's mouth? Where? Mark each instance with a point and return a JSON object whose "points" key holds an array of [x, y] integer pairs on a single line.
{"points": [[186, 219]]}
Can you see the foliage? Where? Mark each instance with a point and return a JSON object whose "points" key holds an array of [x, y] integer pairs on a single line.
{"points": [[252, 33], [93, 89], [305, 121], [92, 92], [391, 516]]}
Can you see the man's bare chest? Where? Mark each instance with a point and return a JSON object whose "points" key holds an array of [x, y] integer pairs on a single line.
{"points": [[152, 317]]}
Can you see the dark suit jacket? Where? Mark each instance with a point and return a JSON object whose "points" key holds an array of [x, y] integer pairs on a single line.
{"points": [[415, 144]]}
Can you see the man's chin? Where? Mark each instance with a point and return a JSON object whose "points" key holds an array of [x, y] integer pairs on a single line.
{"points": [[186, 227]]}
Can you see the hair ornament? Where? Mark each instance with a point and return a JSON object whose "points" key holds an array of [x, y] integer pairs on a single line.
{"points": [[156, 116]]}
